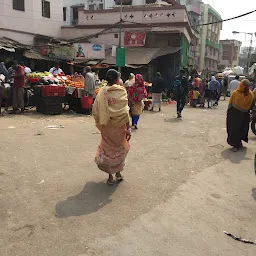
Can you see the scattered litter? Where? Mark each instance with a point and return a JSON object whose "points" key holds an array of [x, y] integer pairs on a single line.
{"points": [[55, 127], [181, 153], [40, 182], [95, 132], [239, 238], [39, 133], [11, 127], [192, 171], [205, 110]]}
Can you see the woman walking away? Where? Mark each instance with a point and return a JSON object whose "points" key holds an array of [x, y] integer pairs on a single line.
{"points": [[214, 88], [130, 81], [157, 89], [136, 93], [202, 88], [238, 115], [111, 114]]}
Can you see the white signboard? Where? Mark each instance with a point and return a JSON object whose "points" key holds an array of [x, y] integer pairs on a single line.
{"points": [[89, 51]]}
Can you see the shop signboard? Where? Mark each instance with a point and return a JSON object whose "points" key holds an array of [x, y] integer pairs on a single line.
{"points": [[89, 51], [134, 38], [58, 52]]}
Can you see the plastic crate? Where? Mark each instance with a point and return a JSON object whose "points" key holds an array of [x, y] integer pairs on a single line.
{"points": [[50, 90], [86, 102], [50, 105]]}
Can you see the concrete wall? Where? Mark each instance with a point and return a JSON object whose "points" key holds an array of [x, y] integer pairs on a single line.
{"points": [[21, 26], [133, 15]]}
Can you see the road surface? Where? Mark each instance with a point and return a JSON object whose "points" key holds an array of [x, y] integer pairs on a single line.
{"points": [[183, 187]]}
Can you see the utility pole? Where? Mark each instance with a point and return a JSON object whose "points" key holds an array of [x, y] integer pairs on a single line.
{"points": [[249, 54], [120, 30]]}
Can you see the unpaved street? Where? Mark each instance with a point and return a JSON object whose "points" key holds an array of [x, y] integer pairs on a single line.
{"points": [[182, 188]]}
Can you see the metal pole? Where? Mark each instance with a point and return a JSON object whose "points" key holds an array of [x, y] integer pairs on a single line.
{"points": [[249, 54], [120, 30]]}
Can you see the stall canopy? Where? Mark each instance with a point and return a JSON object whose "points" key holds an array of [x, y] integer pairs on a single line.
{"points": [[142, 55], [10, 45], [31, 54]]}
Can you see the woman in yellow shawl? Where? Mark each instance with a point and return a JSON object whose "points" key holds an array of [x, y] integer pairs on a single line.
{"points": [[111, 114], [238, 115]]}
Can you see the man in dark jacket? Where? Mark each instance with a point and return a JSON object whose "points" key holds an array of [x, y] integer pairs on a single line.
{"points": [[157, 89], [180, 90]]}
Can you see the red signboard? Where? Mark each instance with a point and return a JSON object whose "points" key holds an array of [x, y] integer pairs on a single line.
{"points": [[134, 38]]}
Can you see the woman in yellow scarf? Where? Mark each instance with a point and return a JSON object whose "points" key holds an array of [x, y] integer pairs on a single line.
{"points": [[111, 114], [238, 115]]}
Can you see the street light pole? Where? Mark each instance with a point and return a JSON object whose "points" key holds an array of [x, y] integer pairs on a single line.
{"points": [[249, 54], [250, 48], [120, 31]]}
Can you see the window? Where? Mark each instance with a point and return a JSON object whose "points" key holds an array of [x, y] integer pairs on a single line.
{"points": [[75, 13], [46, 12], [116, 35], [100, 6], [64, 13], [91, 7], [18, 5]]}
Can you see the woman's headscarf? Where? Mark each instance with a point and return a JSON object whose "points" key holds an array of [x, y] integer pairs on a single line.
{"points": [[242, 98], [130, 81], [137, 92]]}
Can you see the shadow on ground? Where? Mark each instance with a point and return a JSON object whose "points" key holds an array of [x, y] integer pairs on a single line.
{"points": [[235, 157], [93, 197], [173, 120]]}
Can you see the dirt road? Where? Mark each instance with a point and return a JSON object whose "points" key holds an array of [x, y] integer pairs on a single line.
{"points": [[182, 188]]}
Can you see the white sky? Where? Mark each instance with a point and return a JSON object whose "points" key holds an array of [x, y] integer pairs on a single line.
{"points": [[232, 8]]}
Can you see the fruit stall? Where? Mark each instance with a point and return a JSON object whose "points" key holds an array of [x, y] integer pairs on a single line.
{"points": [[51, 91]]}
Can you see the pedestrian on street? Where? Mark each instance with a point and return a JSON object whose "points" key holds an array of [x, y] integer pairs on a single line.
{"points": [[214, 89], [130, 81], [18, 89], [136, 93], [234, 85], [111, 114], [225, 87], [180, 90], [202, 88], [89, 82], [157, 90], [238, 115]]}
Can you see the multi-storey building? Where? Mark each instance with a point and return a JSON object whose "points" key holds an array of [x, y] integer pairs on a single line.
{"points": [[194, 12], [22, 20], [166, 28], [209, 43], [229, 53]]}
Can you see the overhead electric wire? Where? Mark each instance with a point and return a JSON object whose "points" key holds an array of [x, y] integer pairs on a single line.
{"points": [[233, 18]]}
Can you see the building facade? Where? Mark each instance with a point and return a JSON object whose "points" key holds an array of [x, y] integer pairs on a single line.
{"points": [[166, 28], [21, 20], [194, 12], [229, 53], [209, 43]]}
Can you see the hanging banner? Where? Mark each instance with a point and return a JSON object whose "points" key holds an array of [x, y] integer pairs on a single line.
{"points": [[134, 38], [89, 51], [58, 52], [120, 57]]}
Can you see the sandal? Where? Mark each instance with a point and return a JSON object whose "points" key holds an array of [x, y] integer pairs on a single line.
{"points": [[110, 182], [234, 149], [119, 177]]}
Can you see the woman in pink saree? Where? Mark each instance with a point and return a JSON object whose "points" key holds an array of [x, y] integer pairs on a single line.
{"points": [[111, 114]]}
